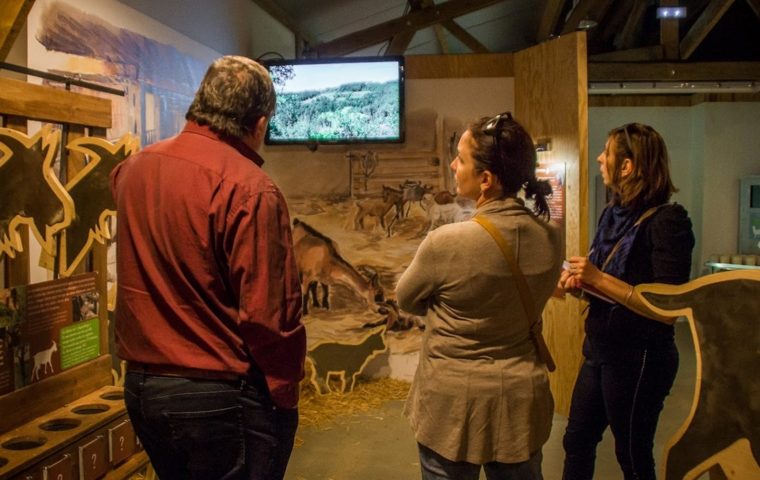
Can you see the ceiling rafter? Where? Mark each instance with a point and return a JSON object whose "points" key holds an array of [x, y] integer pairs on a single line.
{"points": [[411, 22], [755, 6], [549, 19], [464, 36], [702, 27], [12, 19], [627, 36], [400, 42], [669, 33], [609, 27]]}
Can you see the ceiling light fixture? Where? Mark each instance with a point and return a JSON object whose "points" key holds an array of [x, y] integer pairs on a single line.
{"points": [[586, 24], [671, 13]]}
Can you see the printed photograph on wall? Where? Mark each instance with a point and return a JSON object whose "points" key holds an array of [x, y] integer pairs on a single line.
{"points": [[106, 42]]}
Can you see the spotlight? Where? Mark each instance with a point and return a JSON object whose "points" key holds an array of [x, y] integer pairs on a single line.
{"points": [[671, 13]]}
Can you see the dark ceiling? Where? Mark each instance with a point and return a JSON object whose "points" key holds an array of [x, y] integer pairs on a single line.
{"points": [[626, 32]]}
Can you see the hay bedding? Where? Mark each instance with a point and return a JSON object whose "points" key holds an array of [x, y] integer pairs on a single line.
{"points": [[322, 412]]}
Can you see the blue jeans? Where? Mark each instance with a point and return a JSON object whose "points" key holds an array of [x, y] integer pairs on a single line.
{"points": [[436, 467], [210, 429], [626, 395]]}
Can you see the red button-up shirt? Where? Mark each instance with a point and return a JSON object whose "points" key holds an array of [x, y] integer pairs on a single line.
{"points": [[206, 273]]}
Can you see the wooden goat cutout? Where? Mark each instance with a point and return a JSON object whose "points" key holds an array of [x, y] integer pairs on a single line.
{"points": [[91, 192], [722, 432], [30, 192], [346, 360]]}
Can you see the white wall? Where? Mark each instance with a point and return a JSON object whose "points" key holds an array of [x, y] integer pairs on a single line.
{"points": [[711, 146], [221, 25], [269, 35]]}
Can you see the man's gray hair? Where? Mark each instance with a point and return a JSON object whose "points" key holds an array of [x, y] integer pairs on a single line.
{"points": [[235, 92]]}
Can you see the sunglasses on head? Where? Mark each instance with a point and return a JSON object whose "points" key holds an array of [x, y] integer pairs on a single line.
{"points": [[493, 126]]}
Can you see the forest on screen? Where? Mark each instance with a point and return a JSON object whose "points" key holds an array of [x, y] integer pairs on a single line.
{"points": [[349, 112]]}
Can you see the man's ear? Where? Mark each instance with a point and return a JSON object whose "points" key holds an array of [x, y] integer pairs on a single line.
{"points": [[260, 130]]}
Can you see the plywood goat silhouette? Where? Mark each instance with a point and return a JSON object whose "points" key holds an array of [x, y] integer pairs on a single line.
{"points": [[344, 360], [723, 428], [30, 192], [92, 197]]}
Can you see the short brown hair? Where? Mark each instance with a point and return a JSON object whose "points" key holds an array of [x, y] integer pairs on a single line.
{"points": [[649, 183], [235, 92]]}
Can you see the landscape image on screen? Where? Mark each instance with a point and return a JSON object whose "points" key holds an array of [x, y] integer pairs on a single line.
{"points": [[336, 102]]}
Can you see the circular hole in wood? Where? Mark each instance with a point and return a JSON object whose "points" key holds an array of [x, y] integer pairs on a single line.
{"points": [[90, 409], [24, 443], [115, 395], [60, 424]]}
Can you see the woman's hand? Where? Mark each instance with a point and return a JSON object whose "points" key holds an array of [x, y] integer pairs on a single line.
{"points": [[582, 271], [567, 284]]}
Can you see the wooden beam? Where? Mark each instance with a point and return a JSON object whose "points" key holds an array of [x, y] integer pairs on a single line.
{"points": [[549, 19], [668, 71], [411, 22], [643, 54], [277, 12], [464, 36], [755, 6], [460, 66], [628, 34], [12, 19], [669, 33], [399, 43], [48, 104], [440, 35], [704, 24]]}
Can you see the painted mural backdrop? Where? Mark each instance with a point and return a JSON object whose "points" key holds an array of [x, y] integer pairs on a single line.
{"points": [[106, 42]]}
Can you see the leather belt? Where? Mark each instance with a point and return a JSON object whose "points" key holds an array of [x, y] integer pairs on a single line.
{"points": [[184, 372]]}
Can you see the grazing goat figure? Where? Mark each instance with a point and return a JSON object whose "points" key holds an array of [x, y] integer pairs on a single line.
{"points": [[319, 262], [379, 208]]}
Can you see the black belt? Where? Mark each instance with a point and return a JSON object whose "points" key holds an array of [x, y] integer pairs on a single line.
{"points": [[184, 372]]}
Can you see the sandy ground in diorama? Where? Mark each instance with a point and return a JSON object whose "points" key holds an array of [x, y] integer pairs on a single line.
{"points": [[368, 247]]}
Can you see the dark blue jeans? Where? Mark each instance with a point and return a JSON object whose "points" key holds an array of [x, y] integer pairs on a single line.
{"points": [[436, 467], [209, 429], [626, 395]]}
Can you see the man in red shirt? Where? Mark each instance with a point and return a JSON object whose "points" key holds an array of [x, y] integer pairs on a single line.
{"points": [[209, 303]]}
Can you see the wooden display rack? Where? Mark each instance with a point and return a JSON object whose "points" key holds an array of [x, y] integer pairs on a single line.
{"points": [[72, 425]]}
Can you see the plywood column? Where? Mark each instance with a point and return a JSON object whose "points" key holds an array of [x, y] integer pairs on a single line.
{"points": [[551, 101]]}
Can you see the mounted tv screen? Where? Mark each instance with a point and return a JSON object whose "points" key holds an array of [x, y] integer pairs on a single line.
{"points": [[337, 101]]}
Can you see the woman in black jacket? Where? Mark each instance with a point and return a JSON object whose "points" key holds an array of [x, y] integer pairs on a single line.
{"points": [[630, 353]]}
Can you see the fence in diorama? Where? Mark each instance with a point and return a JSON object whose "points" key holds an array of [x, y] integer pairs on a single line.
{"points": [[56, 377]]}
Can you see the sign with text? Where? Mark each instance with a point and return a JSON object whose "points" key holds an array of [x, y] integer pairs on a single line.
{"points": [[47, 327]]}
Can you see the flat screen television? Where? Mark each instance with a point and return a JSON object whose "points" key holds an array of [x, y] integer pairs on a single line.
{"points": [[337, 101]]}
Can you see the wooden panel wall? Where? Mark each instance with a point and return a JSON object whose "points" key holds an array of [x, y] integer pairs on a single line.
{"points": [[84, 115], [551, 100]]}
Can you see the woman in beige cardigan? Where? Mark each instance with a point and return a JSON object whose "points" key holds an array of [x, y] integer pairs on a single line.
{"points": [[481, 395]]}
